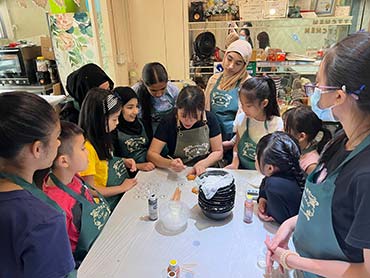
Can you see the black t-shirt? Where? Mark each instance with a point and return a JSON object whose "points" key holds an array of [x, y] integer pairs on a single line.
{"points": [[351, 200], [283, 195], [167, 129]]}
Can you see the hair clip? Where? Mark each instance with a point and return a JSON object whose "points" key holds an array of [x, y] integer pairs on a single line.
{"points": [[109, 103]]}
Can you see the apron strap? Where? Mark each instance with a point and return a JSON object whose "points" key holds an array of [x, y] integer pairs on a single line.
{"points": [[79, 197], [33, 189]]}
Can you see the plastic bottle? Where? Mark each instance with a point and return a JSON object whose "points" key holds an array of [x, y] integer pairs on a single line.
{"points": [[153, 207], [248, 209], [173, 267]]}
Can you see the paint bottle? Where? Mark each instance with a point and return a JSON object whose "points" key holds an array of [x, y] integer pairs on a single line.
{"points": [[153, 207], [248, 209], [173, 267]]}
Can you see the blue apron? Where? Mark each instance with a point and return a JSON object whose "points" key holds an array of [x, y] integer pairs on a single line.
{"points": [[315, 217], [225, 105], [134, 146], [247, 149], [157, 116]]}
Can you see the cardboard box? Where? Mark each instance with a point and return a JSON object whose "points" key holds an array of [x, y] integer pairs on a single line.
{"points": [[47, 48], [57, 89]]}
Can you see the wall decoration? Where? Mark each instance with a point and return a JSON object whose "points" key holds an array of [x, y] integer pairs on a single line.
{"points": [[324, 7], [73, 41], [275, 8]]}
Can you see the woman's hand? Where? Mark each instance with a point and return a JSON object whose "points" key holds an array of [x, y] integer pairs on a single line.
{"points": [[262, 211], [130, 164], [128, 184], [146, 166], [197, 170], [232, 166], [177, 165], [280, 239]]}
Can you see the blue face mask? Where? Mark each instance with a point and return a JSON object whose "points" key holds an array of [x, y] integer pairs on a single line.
{"points": [[244, 38], [325, 114]]}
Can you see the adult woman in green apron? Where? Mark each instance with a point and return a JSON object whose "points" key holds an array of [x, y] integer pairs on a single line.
{"points": [[106, 173], [260, 116], [221, 93], [331, 231], [33, 237], [131, 140], [85, 216], [192, 135], [157, 96]]}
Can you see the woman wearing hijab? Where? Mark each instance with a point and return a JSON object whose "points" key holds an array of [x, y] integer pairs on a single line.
{"points": [[222, 89], [131, 139], [79, 83]]}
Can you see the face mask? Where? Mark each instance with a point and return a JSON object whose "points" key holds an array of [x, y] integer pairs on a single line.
{"points": [[243, 38], [325, 114]]}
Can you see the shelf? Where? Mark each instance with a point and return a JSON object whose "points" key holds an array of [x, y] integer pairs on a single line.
{"points": [[274, 23]]}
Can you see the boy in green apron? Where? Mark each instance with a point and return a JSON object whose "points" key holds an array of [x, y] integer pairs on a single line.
{"points": [[85, 216]]}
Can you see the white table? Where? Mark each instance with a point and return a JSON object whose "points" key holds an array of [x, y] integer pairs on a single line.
{"points": [[132, 246]]}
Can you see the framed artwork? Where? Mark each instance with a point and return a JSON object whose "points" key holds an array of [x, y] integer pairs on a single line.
{"points": [[304, 5], [324, 7]]}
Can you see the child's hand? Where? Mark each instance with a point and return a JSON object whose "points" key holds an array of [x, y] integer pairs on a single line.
{"points": [[227, 145], [262, 211], [177, 165], [131, 164], [128, 184], [147, 166]]}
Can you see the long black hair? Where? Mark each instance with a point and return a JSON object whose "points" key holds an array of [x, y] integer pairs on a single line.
{"points": [[24, 118], [152, 73], [303, 119], [261, 88], [281, 150], [98, 105], [192, 100]]}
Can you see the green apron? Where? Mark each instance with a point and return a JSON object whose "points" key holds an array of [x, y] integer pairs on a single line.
{"points": [[247, 149], [134, 146], [315, 217], [225, 105], [192, 145], [93, 218], [117, 173], [39, 194]]}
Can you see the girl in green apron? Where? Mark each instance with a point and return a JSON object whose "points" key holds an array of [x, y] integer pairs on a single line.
{"points": [[106, 173], [33, 236], [192, 135], [157, 96], [85, 216], [331, 231], [277, 158], [304, 125], [261, 116], [131, 140]]}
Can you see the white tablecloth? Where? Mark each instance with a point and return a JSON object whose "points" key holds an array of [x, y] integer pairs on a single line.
{"points": [[131, 246]]}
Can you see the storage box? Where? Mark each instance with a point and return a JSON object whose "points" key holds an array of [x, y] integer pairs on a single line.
{"points": [[47, 48]]}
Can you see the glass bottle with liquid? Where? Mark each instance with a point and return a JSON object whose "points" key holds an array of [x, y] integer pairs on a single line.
{"points": [[174, 267], [248, 208]]}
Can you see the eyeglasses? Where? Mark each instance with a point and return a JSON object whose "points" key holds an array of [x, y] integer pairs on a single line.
{"points": [[310, 89]]}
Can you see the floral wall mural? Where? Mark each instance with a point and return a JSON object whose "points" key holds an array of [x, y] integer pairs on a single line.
{"points": [[73, 41]]}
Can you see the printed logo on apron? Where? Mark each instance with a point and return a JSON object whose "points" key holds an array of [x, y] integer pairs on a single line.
{"points": [[221, 99], [249, 150], [100, 214], [135, 144], [193, 151], [308, 204], [118, 165]]}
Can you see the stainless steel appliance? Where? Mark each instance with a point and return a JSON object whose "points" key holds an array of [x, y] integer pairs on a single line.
{"points": [[17, 65]]}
